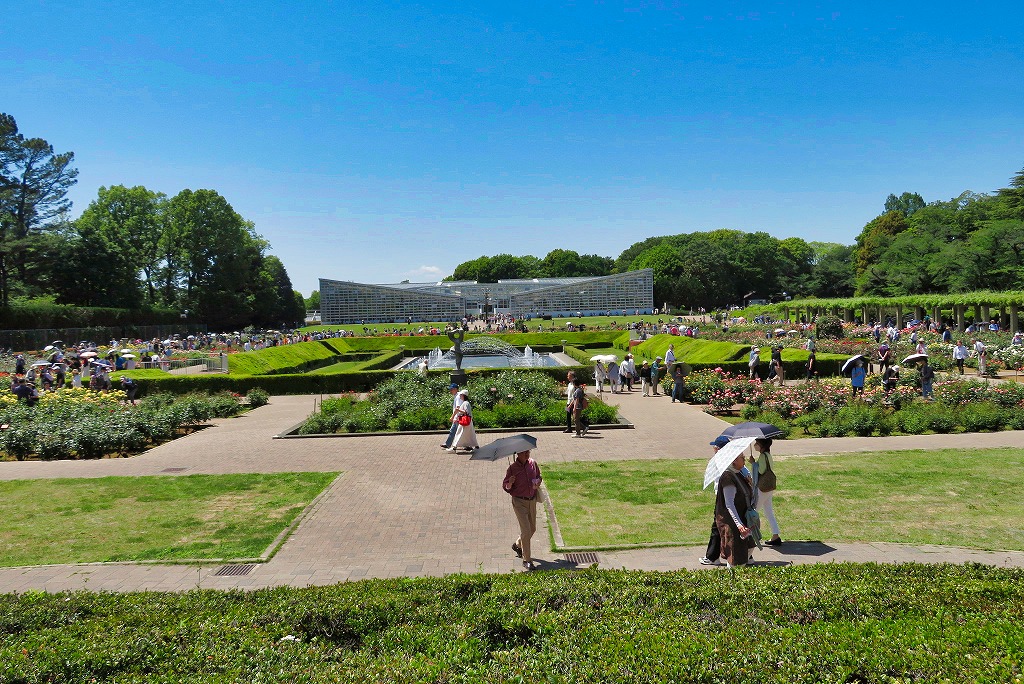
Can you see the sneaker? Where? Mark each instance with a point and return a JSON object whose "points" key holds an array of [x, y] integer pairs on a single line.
{"points": [[450, 450], [444, 446], [518, 549], [586, 429], [527, 566], [568, 432], [707, 561]]}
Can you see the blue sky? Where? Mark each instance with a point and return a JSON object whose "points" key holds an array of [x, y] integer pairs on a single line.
{"points": [[382, 141]]}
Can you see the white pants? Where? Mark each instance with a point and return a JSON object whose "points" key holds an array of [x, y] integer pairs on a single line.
{"points": [[764, 506]]}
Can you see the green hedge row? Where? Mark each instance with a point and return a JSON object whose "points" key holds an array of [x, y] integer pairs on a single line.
{"points": [[290, 358], [33, 315], [808, 623], [305, 383]]}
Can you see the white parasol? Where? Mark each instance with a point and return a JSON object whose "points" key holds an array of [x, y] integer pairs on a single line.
{"points": [[605, 358], [724, 458]]}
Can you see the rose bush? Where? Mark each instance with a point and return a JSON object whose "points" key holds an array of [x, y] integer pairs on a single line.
{"points": [[80, 423]]}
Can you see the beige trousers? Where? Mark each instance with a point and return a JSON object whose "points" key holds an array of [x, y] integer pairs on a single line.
{"points": [[526, 514]]}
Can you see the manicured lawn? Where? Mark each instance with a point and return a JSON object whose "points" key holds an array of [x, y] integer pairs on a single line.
{"points": [[820, 623], [343, 367], [952, 497], [149, 518]]}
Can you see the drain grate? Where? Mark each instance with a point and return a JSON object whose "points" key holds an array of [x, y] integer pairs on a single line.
{"points": [[234, 570], [581, 557], [173, 470]]}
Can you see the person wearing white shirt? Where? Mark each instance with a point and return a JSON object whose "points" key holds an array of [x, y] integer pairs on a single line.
{"points": [[959, 354], [569, 390]]}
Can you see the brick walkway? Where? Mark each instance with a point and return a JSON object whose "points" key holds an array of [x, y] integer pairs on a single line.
{"points": [[403, 507]]}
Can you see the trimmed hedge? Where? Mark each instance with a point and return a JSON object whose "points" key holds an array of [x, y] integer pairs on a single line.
{"points": [[35, 314], [305, 383], [808, 623], [289, 358]]}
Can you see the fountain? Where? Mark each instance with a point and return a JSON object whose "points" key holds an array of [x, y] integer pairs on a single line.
{"points": [[484, 352]]}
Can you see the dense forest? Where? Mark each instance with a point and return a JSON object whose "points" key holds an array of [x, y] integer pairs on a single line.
{"points": [[132, 247], [971, 242]]}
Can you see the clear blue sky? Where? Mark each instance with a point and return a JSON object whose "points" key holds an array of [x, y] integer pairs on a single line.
{"points": [[379, 141]]}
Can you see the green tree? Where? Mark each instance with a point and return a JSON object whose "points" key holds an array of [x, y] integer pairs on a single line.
{"points": [[132, 220], [667, 263], [83, 268], [565, 263], [276, 302], [472, 270], [312, 303], [34, 182], [797, 263], [1012, 198], [906, 204], [833, 274], [625, 260], [874, 239], [214, 258]]}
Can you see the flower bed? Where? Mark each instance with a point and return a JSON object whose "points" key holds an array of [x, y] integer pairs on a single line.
{"points": [[509, 399], [81, 423], [827, 408]]}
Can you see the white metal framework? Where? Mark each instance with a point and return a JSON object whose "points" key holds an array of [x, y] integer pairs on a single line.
{"points": [[344, 302]]}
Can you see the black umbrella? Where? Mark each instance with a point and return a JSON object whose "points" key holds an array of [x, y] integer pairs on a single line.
{"points": [[751, 429], [849, 363], [506, 446]]}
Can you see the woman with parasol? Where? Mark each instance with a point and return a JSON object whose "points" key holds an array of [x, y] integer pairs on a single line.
{"points": [[733, 500]]}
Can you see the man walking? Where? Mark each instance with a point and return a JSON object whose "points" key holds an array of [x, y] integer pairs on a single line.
{"points": [[645, 379], [655, 375], [522, 480]]}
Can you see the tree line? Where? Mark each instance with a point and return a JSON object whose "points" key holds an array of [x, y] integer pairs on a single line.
{"points": [[971, 242], [132, 247]]}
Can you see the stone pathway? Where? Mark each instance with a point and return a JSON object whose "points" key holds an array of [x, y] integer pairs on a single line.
{"points": [[403, 507]]}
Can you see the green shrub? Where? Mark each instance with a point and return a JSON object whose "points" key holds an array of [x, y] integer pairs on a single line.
{"points": [[829, 327], [981, 417], [940, 418], [257, 397], [823, 622], [515, 415], [426, 418], [1014, 418], [912, 419]]}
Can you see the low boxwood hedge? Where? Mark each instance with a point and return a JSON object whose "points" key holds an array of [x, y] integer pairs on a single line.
{"points": [[807, 623]]}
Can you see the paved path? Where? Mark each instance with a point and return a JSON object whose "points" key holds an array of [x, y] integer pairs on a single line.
{"points": [[403, 507]]}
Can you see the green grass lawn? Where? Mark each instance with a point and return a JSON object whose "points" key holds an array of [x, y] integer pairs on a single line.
{"points": [[952, 497], [149, 518], [343, 367]]}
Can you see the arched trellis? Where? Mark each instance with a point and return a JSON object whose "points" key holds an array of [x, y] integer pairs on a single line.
{"points": [[962, 307]]}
